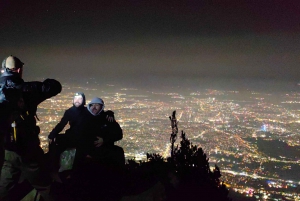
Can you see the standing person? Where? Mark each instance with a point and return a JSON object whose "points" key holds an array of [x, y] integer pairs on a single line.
{"points": [[9, 96], [23, 155]]}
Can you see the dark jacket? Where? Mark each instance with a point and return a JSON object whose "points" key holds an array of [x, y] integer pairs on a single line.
{"points": [[99, 126], [11, 78], [26, 130], [73, 116], [10, 93], [14, 78]]}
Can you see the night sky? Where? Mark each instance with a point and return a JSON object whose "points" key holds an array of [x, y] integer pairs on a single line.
{"points": [[127, 40]]}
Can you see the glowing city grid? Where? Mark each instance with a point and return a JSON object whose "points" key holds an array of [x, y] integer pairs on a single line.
{"points": [[252, 137]]}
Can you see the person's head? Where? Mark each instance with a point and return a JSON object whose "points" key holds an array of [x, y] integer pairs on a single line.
{"points": [[12, 64], [96, 106], [79, 99]]}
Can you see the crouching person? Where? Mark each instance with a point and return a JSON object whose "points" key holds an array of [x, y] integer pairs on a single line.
{"points": [[98, 161], [98, 137]]}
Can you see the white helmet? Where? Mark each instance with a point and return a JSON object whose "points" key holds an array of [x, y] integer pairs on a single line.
{"points": [[11, 63]]}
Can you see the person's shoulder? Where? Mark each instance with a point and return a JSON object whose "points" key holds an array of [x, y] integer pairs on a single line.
{"points": [[69, 110], [86, 112], [109, 112], [12, 78]]}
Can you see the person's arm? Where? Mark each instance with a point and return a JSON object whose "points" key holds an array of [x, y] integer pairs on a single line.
{"points": [[110, 117], [60, 126], [37, 92], [109, 134]]}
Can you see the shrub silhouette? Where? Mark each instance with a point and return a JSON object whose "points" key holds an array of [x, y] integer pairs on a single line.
{"points": [[186, 175]]}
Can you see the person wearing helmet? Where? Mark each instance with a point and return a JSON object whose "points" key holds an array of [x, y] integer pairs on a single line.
{"points": [[9, 95], [11, 80], [12, 64], [23, 154]]}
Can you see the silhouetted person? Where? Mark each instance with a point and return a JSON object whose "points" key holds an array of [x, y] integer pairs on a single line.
{"points": [[23, 154], [58, 143], [99, 135], [98, 162], [74, 116]]}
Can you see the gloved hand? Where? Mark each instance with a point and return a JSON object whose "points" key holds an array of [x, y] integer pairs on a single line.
{"points": [[110, 116]]}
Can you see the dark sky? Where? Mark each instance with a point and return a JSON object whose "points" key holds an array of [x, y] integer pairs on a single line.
{"points": [[152, 38]]}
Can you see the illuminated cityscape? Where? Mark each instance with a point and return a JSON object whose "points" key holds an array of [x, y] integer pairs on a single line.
{"points": [[253, 137]]}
